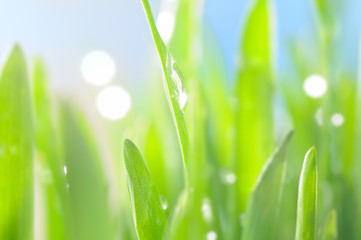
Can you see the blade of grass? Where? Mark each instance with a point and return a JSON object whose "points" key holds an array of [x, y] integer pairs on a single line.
{"points": [[173, 85], [58, 221], [16, 149], [264, 202], [307, 198], [254, 91], [88, 194], [148, 213]]}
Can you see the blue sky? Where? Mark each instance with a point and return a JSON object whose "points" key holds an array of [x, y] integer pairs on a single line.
{"points": [[63, 31]]}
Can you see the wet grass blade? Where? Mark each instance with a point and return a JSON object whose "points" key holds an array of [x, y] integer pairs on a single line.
{"points": [[174, 84], [262, 209], [148, 213], [254, 92], [16, 149], [87, 187], [307, 198]]}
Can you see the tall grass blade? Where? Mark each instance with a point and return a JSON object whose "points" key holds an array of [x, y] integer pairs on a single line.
{"points": [[264, 202], [307, 198], [174, 84], [148, 212], [16, 149], [254, 93], [58, 222]]}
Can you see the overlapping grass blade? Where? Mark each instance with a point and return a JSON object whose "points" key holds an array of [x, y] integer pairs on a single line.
{"points": [[174, 84], [254, 91], [88, 193], [307, 198], [148, 212], [264, 202], [16, 149]]}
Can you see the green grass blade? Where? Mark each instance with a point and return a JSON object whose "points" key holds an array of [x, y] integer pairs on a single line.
{"points": [[254, 92], [148, 213], [56, 206], [307, 198], [16, 149], [262, 209], [330, 228], [174, 84], [88, 193]]}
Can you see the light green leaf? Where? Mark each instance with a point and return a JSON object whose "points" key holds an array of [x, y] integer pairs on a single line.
{"points": [[254, 93], [307, 198], [16, 149], [174, 84], [264, 202], [148, 212]]}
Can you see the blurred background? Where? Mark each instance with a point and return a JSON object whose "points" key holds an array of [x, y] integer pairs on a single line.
{"points": [[101, 54], [63, 32]]}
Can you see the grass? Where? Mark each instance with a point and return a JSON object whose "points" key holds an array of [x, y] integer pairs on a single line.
{"points": [[211, 165]]}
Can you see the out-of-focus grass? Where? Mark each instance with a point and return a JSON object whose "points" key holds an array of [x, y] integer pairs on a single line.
{"points": [[205, 152]]}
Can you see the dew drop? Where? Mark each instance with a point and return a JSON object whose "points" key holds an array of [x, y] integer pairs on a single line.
{"points": [[337, 119], [212, 235], [177, 79], [65, 169], [207, 209], [67, 186], [164, 202]]}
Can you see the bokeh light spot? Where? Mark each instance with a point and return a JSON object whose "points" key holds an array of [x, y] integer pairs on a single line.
{"points": [[315, 86], [113, 103], [98, 68], [165, 25]]}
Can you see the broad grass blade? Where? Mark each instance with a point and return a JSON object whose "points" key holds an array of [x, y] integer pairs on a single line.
{"points": [[148, 213], [264, 202], [16, 149], [254, 92], [307, 198]]}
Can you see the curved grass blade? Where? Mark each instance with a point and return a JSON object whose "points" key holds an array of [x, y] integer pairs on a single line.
{"points": [[254, 92], [88, 194], [174, 84], [16, 149], [148, 213], [262, 209], [307, 198]]}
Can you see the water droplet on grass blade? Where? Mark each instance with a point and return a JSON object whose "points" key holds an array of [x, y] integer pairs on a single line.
{"points": [[164, 202], [65, 169], [212, 235], [178, 83]]}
